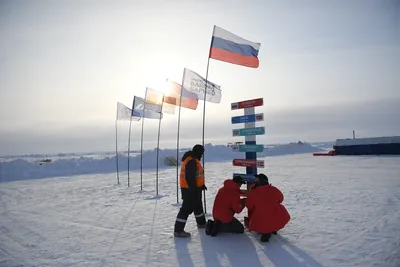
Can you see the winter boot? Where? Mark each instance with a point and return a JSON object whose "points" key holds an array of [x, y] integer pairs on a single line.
{"points": [[216, 228], [265, 237], [209, 227], [181, 234]]}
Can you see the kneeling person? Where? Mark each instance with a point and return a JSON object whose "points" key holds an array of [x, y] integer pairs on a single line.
{"points": [[267, 215], [227, 202]]}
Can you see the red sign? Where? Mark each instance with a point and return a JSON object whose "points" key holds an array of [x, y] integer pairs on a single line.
{"points": [[247, 103], [248, 163]]}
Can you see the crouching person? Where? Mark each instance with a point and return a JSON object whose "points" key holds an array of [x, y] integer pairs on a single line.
{"points": [[266, 213], [227, 202]]}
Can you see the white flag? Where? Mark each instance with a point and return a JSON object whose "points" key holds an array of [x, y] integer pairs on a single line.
{"points": [[125, 113], [193, 82], [139, 109]]}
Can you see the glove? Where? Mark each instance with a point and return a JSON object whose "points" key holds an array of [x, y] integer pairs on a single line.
{"points": [[204, 187]]}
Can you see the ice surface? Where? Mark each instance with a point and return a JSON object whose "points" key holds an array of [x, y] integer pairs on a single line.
{"points": [[345, 212], [27, 167]]}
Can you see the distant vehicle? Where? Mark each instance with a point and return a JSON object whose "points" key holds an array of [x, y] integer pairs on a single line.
{"points": [[170, 161], [43, 161], [330, 153], [234, 144]]}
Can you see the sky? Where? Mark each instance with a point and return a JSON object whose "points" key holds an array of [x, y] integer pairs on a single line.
{"points": [[326, 68]]}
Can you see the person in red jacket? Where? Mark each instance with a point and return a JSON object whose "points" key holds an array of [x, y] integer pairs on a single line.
{"points": [[227, 202], [266, 213]]}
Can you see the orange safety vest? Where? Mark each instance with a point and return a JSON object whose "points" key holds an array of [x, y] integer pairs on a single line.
{"points": [[199, 174]]}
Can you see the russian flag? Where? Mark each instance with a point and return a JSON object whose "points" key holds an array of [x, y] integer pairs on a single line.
{"points": [[228, 47]]}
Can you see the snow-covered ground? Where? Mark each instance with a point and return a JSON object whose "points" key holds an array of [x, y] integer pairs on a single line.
{"points": [[345, 212]]}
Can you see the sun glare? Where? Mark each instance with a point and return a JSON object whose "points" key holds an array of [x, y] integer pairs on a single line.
{"points": [[159, 84], [164, 88]]}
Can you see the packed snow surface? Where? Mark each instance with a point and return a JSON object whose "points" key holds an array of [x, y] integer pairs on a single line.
{"points": [[345, 212]]}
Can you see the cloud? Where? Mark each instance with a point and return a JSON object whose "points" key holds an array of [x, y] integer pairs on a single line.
{"points": [[317, 123]]}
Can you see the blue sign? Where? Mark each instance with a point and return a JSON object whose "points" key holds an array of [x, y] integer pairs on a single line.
{"points": [[249, 131], [248, 148], [247, 118], [247, 177]]}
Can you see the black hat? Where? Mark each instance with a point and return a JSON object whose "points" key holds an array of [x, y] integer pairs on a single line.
{"points": [[262, 177], [198, 150], [238, 179]]}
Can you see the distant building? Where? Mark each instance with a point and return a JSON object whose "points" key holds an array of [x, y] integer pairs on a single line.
{"points": [[234, 144]]}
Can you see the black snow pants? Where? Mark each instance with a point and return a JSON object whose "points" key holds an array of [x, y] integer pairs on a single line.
{"points": [[234, 226], [192, 202]]}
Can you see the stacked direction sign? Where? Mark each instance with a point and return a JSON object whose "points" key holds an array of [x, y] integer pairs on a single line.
{"points": [[250, 131]]}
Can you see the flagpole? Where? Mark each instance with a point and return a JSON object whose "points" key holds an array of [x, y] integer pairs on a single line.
{"points": [[158, 146], [177, 154], [204, 119], [158, 149], [177, 138], [116, 144], [141, 155], [204, 114], [129, 144], [204, 105]]}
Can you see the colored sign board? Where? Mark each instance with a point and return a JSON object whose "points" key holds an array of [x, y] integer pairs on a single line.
{"points": [[248, 163], [248, 148], [247, 177], [247, 103], [248, 131], [248, 118]]}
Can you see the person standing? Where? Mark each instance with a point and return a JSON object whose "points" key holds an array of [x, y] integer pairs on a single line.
{"points": [[192, 184]]}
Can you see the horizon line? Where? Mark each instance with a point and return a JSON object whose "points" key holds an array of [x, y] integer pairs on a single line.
{"points": [[136, 151]]}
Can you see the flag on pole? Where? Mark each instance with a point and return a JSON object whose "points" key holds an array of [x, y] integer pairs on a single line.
{"points": [[125, 113], [140, 109], [228, 47], [189, 100], [155, 101], [194, 83]]}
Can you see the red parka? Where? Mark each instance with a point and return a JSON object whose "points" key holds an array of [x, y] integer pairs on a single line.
{"points": [[266, 213], [227, 202]]}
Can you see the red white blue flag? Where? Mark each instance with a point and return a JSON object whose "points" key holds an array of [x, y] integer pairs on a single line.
{"points": [[228, 47]]}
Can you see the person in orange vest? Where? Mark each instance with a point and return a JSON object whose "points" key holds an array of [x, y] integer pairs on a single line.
{"points": [[192, 185]]}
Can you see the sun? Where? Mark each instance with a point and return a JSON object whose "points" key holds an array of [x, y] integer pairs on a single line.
{"points": [[160, 84], [164, 88]]}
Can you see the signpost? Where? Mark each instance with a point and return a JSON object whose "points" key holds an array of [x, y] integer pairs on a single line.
{"points": [[247, 104], [247, 177], [248, 163], [248, 148], [247, 118], [250, 131]]}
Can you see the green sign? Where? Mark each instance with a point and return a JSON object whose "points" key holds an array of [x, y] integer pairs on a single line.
{"points": [[248, 148], [248, 131]]}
